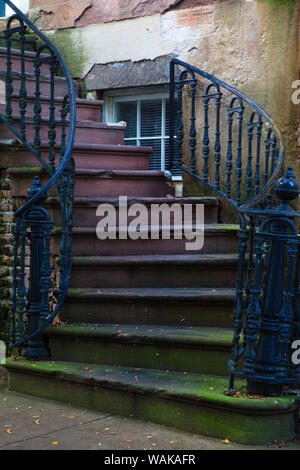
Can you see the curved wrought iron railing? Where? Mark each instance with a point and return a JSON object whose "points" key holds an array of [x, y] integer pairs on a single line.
{"points": [[38, 292], [245, 176], [233, 147]]}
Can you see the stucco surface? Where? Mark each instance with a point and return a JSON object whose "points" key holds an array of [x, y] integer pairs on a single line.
{"points": [[250, 44]]}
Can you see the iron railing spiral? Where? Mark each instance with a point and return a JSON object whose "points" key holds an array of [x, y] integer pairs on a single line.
{"points": [[206, 95], [233, 147], [37, 295]]}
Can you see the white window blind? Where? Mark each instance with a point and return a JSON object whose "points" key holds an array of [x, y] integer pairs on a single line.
{"points": [[147, 119]]}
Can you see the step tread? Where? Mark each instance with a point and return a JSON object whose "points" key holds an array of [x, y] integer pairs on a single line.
{"points": [[189, 336], [79, 101], [209, 228], [109, 148], [17, 52], [79, 123], [114, 200], [218, 294], [93, 172], [169, 385], [30, 76], [204, 259]]}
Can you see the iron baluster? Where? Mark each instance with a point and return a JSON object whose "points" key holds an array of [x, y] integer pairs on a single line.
{"points": [[257, 164], [52, 122], [8, 79], [239, 160], [37, 106], [23, 91], [217, 157], [205, 148], [193, 141], [249, 160], [231, 110]]}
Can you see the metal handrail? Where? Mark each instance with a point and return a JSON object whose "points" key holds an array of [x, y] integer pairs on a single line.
{"points": [[64, 169]]}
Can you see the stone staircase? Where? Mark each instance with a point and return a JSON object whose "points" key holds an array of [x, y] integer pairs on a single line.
{"points": [[146, 327]]}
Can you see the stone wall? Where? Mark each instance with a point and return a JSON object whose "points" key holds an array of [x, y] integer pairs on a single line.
{"points": [[250, 44], [6, 255]]}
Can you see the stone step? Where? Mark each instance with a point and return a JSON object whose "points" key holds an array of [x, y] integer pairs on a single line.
{"points": [[218, 238], [86, 131], [188, 349], [60, 87], [30, 42], [86, 110], [192, 402], [85, 208], [93, 183], [150, 306], [193, 270], [89, 156], [16, 61]]}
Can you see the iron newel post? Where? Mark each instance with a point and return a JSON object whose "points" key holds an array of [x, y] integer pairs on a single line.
{"points": [[38, 221], [271, 307]]}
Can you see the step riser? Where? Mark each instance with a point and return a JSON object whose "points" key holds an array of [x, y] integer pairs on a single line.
{"points": [[85, 216], [83, 159], [89, 244], [115, 161], [150, 356], [143, 312], [83, 112], [98, 187], [189, 416], [61, 88], [84, 134], [153, 276], [17, 63]]}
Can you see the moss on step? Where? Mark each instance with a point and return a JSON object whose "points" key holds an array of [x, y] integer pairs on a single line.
{"points": [[191, 349], [192, 402]]}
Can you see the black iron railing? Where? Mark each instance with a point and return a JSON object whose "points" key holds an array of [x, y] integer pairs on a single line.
{"points": [[229, 144], [37, 293], [228, 123]]}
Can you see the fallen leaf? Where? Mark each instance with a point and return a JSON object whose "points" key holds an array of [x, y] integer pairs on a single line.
{"points": [[55, 443]]}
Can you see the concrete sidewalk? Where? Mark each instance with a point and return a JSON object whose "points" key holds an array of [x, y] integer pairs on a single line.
{"points": [[28, 423]]}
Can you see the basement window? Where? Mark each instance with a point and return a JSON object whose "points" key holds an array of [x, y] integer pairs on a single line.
{"points": [[147, 119]]}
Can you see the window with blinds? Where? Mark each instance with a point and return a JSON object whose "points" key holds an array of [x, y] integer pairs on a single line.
{"points": [[147, 119]]}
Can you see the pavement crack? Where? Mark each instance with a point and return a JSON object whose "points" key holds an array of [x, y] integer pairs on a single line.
{"points": [[53, 432]]}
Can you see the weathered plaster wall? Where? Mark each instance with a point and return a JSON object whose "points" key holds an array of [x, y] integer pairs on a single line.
{"points": [[69, 13], [251, 44]]}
